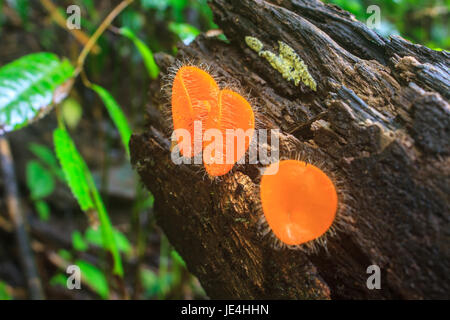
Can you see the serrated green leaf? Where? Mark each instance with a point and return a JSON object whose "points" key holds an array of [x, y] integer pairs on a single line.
{"points": [[73, 167], [83, 187], [39, 181], [144, 50], [27, 87], [94, 277], [116, 114]]}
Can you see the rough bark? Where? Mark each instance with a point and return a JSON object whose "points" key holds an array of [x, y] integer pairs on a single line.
{"points": [[379, 120]]}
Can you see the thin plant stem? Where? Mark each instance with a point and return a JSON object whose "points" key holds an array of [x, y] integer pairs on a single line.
{"points": [[93, 39]]}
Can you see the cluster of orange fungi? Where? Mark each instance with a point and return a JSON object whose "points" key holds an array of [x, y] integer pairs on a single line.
{"points": [[299, 201], [197, 97]]}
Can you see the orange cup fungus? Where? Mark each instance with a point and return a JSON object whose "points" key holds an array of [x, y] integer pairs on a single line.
{"points": [[299, 202], [194, 93], [232, 112], [197, 97]]}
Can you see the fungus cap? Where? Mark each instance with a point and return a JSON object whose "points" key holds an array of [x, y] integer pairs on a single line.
{"points": [[232, 112], [299, 202], [194, 94]]}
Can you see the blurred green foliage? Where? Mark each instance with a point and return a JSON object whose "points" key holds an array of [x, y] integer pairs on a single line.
{"points": [[83, 187], [144, 50], [4, 293], [185, 31], [420, 21], [116, 114], [41, 176], [94, 278], [94, 237], [40, 181], [47, 158]]}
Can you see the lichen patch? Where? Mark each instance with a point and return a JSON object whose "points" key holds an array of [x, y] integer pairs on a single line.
{"points": [[287, 62]]}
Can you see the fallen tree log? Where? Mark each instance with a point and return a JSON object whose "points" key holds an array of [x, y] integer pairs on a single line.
{"points": [[379, 119]]}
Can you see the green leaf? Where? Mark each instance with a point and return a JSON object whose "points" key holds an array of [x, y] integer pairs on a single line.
{"points": [[44, 153], [39, 180], [94, 278], [74, 168], [27, 88], [94, 237], [122, 242], [82, 184], [109, 242], [4, 294], [184, 31], [42, 209], [59, 279], [78, 241], [116, 115], [176, 257], [47, 156], [144, 50]]}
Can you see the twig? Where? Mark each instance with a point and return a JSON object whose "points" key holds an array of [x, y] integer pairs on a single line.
{"points": [[60, 20], [93, 40], [15, 212]]}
